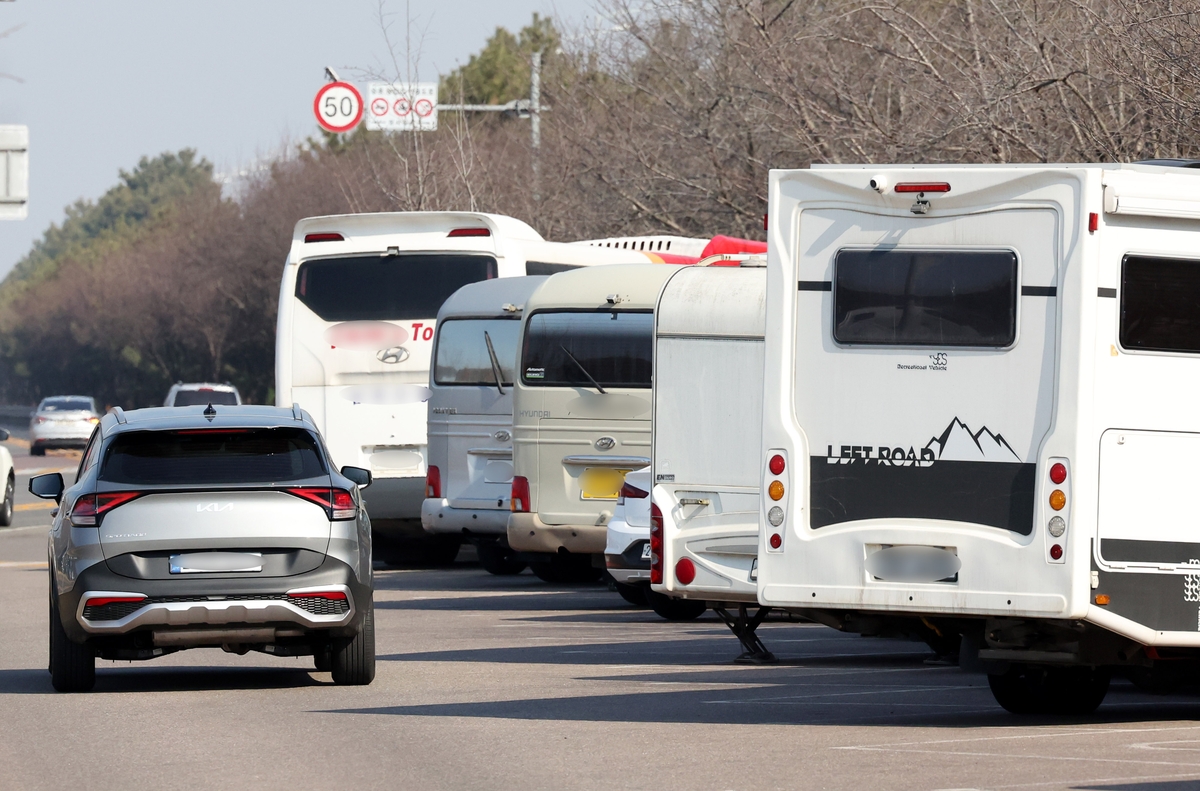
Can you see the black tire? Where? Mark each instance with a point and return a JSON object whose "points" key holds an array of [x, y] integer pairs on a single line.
{"points": [[6, 508], [72, 666], [1030, 689], [675, 609], [499, 560], [565, 568], [352, 661], [34, 450], [634, 594], [323, 659]]}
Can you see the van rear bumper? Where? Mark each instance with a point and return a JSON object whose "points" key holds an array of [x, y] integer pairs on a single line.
{"points": [[916, 599], [528, 533], [395, 498], [438, 517]]}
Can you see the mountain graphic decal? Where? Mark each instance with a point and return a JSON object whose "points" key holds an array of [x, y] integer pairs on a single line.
{"points": [[958, 443]]}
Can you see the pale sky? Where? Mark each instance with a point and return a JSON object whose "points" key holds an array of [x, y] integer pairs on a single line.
{"points": [[105, 83]]}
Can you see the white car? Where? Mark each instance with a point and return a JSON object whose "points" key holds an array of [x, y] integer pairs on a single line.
{"points": [[62, 422], [201, 393], [6, 470]]}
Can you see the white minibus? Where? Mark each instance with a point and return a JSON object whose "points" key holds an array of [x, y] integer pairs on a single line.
{"points": [[708, 369], [470, 417], [979, 416], [357, 315]]}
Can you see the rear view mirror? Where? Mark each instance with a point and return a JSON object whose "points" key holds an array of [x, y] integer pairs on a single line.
{"points": [[4, 434], [48, 487], [358, 475]]}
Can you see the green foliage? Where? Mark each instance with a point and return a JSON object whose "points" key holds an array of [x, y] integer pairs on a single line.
{"points": [[500, 72]]}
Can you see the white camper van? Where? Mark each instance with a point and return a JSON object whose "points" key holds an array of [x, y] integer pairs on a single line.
{"points": [[470, 417], [581, 412], [708, 369], [357, 315], [979, 414]]}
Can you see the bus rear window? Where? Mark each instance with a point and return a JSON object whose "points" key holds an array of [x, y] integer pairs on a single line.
{"points": [[212, 456], [1160, 304], [462, 351], [387, 288], [925, 297], [571, 349]]}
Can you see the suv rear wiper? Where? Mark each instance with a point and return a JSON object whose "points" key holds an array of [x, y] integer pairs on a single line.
{"points": [[595, 384], [495, 362]]}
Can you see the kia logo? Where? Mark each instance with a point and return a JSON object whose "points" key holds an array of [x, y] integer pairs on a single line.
{"points": [[213, 507], [396, 354], [606, 443]]}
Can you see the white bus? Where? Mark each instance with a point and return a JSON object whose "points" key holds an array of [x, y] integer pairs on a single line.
{"points": [[979, 415], [357, 312]]}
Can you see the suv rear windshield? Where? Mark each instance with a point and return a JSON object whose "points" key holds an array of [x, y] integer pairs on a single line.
{"points": [[925, 298], [614, 347], [212, 456], [201, 397], [387, 288], [462, 353], [67, 405], [1160, 304]]}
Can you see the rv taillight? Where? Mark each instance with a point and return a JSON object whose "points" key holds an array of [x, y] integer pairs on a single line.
{"points": [[656, 545], [433, 483], [458, 233], [776, 465], [1058, 472], [776, 541], [685, 571], [520, 495], [323, 237], [1057, 499], [922, 186], [1056, 552], [1093, 222], [90, 509], [775, 490]]}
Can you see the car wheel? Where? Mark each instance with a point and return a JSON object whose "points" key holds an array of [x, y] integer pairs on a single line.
{"points": [[499, 560], [34, 450], [353, 660], [6, 509], [565, 567], [1029, 689], [634, 594], [72, 666], [323, 658], [675, 609]]}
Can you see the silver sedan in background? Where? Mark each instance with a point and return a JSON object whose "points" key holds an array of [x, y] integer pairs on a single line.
{"points": [[62, 422]]}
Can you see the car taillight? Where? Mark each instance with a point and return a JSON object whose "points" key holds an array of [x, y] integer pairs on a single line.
{"points": [[520, 495], [922, 186], [333, 595], [90, 509], [458, 233], [433, 483], [309, 238], [632, 492], [656, 545], [338, 503], [100, 601], [40, 419]]}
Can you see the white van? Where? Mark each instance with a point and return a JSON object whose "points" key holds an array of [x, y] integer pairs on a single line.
{"points": [[581, 412], [979, 414], [470, 417], [357, 315], [708, 370]]}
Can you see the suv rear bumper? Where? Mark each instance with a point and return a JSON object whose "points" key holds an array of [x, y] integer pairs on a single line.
{"points": [[225, 602], [438, 516], [528, 533]]}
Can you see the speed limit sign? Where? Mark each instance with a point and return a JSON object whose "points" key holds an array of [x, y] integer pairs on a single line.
{"points": [[338, 106]]}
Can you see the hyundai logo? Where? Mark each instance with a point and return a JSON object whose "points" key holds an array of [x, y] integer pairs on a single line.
{"points": [[606, 443], [502, 436], [396, 354]]}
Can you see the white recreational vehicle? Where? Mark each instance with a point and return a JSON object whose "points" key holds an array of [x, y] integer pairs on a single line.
{"points": [[470, 417], [708, 366], [357, 307], [581, 412], [979, 415]]}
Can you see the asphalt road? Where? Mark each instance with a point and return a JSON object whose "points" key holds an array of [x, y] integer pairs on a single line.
{"points": [[494, 683]]}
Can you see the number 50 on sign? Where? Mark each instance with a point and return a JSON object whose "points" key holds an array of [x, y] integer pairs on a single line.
{"points": [[338, 107]]}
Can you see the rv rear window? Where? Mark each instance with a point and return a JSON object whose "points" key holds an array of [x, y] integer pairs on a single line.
{"points": [[462, 356], [925, 297], [573, 348], [387, 288], [1160, 304]]}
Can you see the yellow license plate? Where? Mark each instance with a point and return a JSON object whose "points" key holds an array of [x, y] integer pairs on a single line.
{"points": [[601, 483]]}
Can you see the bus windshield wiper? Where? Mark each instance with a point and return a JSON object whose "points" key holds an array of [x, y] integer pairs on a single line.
{"points": [[495, 362], [595, 384]]}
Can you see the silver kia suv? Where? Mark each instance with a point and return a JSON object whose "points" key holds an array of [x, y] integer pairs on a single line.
{"points": [[219, 526]]}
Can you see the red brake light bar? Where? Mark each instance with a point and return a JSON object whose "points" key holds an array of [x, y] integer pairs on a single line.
{"points": [[460, 232], [100, 601], [336, 595], [922, 186], [323, 237]]}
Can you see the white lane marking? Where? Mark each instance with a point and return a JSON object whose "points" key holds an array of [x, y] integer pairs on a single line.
{"points": [[1092, 781], [1040, 734]]}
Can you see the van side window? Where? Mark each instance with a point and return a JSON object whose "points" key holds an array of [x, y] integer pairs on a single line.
{"points": [[1160, 304], [543, 268], [925, 297]]}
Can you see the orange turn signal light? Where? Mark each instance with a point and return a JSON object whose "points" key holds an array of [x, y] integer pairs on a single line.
{"points": [[1102, 599], [1057, 499], [775, 490]]}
